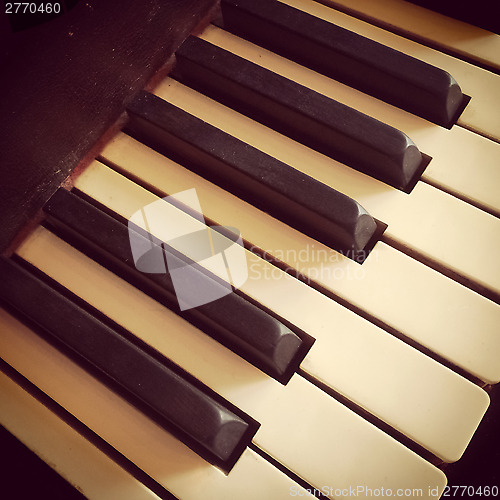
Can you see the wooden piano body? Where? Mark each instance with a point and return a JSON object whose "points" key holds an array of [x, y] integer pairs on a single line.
{"points": [[65, 87]]}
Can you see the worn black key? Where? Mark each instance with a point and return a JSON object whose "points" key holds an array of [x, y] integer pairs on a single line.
{"points": [[191, 411], [265, 182], [307, 116], [357, 61], [235, 322]]}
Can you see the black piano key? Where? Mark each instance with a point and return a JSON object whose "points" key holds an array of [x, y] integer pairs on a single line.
{"points": [[307, 116], [235, 322], [168, 394], [359, 62], [286, 193]]}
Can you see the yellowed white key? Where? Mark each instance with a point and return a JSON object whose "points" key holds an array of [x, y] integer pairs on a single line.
{"points": [[431, 223], [463, 163], [453, 317], [480, 84], [448, 34], [302, 427], [156, 452], [330, 358], [73, 457], [355, 358]]}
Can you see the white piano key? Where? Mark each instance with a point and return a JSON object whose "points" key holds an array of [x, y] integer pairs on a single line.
{"points": [[302, 427], [447, 318], [448, 34], [75, 458], [463, 163], [480, 84], [356, 358], [156, 452], [401, 401], [431, 223]]}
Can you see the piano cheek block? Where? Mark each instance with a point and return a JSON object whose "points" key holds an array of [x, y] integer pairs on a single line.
{"points": [[309, 117], [273, 186]]}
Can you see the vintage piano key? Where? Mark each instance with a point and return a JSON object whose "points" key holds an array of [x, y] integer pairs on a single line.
{"points": [[164, 458], [480, 84], [176, 401], [305, 115], [463, 163], [60, 445], [424, 222], [435, 30], [359, 62], [277, 293], [285, 426], [328, 357], [455, 483], [355, 358], [273, 186], [237, 323], [436, 312]]}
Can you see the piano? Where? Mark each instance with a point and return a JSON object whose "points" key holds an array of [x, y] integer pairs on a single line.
{"points": [[383, 378]]}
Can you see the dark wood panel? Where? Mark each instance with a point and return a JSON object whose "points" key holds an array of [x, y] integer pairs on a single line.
{"points": [[66, 81]]}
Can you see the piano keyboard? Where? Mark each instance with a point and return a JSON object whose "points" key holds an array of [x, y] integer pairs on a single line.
{"points": [[462, 40], [390, 357]]}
